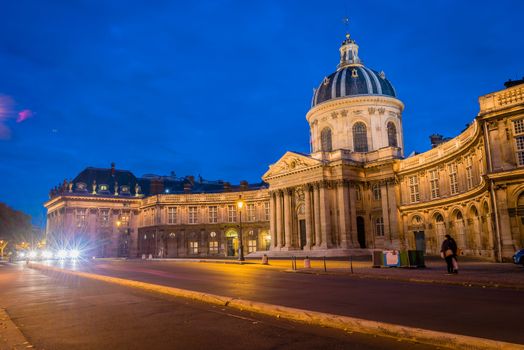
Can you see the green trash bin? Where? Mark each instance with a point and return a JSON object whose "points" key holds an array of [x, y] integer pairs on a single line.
{"points": [[404, 258], [416, 258]]}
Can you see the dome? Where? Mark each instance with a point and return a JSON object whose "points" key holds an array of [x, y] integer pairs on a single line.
{"points": [[352, 78]]}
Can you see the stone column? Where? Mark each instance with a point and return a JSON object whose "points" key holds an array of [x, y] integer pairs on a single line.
{"points": [[272, 219], [288, 227], [278, 226], [343, 212], [309, 221], [325, 218], [316, 212]]}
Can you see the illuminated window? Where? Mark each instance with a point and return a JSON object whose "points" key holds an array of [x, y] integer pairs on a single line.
{"points": [[193, 247], [519, 140], [231, 213], [360, 137], [376, 192], [124, 219], [171, 215], [251, 212], [213, 247], [192, 219], [434, 184], [414, 195], [453, 180], [104, 217], [252, 246], [469, 173], [266, 211], [379, 226], [213, 214], [392, 135], [325, 139]]}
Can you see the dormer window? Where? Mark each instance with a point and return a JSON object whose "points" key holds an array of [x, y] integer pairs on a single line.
{"points": [[81, 187], [103, 188], [124, 190]]}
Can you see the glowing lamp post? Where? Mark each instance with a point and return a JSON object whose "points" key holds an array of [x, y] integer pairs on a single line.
{"points": [[240, 204]]}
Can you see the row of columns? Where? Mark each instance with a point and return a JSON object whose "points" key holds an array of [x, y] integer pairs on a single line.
{"points": [[327, 213]]}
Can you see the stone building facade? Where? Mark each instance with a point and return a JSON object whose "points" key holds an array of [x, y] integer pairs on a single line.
{"points": [[355, 191], [163, 216]]}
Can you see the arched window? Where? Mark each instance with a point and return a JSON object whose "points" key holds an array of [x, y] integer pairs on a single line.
{"points": [[392, 135], [360, 137], [325, 139], [376, 192], [358, 193]]}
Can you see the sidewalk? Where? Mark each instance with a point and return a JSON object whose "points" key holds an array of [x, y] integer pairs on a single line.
{"points": [[472, 272]]}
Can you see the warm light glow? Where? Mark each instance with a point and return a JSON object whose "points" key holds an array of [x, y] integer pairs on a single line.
{"points": [[118, 223], [240, 204]]}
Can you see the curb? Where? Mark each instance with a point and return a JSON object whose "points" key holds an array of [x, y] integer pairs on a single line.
{"points": [[11, 338], [345, 323]]}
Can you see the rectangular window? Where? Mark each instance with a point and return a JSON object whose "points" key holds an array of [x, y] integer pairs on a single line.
{"points": [[193, 247], [469, 173], [171, 215], [104, 218], [81, 217], [518, 126], [433, 183], [379, 226], [414, 194], [213, 214], [453, 179], [213, 247], [192, 218], [251, 212], [252, 246], [266, 211], [231, 213], [124, 220]]}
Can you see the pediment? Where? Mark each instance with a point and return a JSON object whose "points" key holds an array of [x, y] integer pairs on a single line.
{"points": [[290, 163]]}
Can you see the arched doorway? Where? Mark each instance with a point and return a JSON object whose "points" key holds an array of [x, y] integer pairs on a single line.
{"points": [[231, 242], [361, 232]]}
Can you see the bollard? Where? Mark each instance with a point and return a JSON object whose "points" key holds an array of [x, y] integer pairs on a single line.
{"points": [[325, 269], [143, 256], [265, 260], [150, 256], [307, 263]]}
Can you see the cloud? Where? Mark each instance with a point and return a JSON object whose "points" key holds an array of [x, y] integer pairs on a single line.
{"points": [[24, 115]]}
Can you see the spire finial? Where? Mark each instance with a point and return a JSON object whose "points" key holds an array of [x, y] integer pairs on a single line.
{"points": [[348, 50]]}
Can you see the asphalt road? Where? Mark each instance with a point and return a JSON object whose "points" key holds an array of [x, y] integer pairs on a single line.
{"points": [[487, 313], [64, 312]]}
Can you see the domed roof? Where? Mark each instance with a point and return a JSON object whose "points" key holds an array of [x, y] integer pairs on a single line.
{"points": [[352, 78]]}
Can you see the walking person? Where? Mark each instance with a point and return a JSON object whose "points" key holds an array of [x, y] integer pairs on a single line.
{"points": [[448, 251]]}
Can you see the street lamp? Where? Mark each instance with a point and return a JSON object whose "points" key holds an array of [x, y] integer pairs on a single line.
{"points": [[240, 204]]}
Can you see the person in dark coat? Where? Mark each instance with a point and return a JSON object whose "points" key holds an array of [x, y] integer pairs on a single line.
{"points": [[449, 252]]}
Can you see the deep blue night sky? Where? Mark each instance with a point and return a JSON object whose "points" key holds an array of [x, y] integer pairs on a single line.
{"points": [[221, 88]]}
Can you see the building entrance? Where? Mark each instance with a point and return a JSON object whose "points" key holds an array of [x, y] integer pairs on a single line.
{"points": [[361, 232], [302, 224], [231, 243], [420, 240]]}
